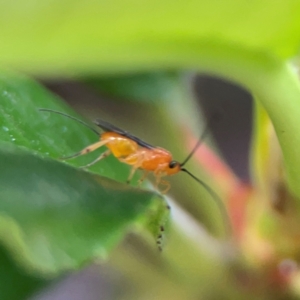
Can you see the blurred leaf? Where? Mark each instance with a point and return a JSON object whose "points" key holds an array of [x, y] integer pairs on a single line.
{"points": [[278, 90], [82, 36], [14, 283], [54, 216], [52, 135], [148, 87]]}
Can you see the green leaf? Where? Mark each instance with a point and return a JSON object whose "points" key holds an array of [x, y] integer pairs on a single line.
{"points": [[51, 135], [54, 216], [112, 35], [278, 90], [11, 275], [146, 87]]}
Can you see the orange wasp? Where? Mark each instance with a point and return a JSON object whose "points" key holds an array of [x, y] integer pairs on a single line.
{"points": [[138, 154]]}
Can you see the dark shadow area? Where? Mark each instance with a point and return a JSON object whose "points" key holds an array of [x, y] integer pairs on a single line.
{"points": [[233, 131]]}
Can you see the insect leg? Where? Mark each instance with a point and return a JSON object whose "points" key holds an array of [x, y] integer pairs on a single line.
{"points": [[103, 155], [138, 159], [166, 184], [158, 174], [87, 149], [143, 177], [132, 171]]}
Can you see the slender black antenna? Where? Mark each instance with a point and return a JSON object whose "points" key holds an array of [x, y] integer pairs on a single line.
{"points": [[70, 117], [217, 200], [213, 194], [201, 138]]}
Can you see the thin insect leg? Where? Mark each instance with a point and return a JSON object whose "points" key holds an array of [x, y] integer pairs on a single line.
{"points": [[103, 155], [87, 149], [132, 159], [132, 171], [143, 178], [166, 184], [139, 159], [158, 174]]}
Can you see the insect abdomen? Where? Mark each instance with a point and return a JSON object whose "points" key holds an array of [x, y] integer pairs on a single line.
{"points": [[119, 145]]}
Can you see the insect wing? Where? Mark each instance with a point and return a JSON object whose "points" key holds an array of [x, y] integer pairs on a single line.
{"points": [[110, 127]]}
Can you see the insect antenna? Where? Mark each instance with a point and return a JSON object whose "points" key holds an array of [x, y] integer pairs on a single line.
{"points": [[70, 117], [217, 200], [212, 193], [214, 117]]}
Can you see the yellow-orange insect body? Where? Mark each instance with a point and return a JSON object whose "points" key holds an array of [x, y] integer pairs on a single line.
{"points": [[128, 151], [158, 161], [119, 145], [140, 155], [149, 159]]}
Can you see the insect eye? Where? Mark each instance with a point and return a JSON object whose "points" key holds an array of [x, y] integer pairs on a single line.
{"points": [[173, 164]]}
